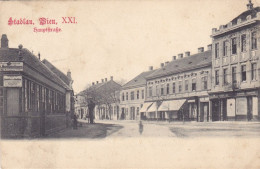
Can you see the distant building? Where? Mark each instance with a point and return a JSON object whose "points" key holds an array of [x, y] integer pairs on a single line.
{"points": [[132, 97], [179, 89], [105, 96], [32, 97], [235, 93]]}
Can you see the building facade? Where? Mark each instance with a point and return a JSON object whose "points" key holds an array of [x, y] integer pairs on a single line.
{"points": [[132, 97], [235, 68], [105, 96], [179, 89], [32, 97]]}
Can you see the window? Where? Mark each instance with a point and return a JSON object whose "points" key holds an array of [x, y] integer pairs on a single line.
{"points": [[234, 75], [243, 43], [193, 85], [217, 50], [173, 88], [123, 96], [150, 92], [204, 83], [168, 89], [254, 40], [1, 96], [225, 80], [126, 95], [234, 45], [143, 93], [225, 48], [132, 95], [157, 90], [137, 94], [217, 77], [180, 86], [253, 71], [243, 73], [162, 89], [186, 85]]}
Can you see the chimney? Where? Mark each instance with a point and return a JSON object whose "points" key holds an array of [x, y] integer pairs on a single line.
{"points": [[111, 77], [166, 63], [20, 52], [162, 64], [97, 82], [93, 83], [214, 30], [105, 79], [102, 80], [210, 47], [39, 56], [174, 58], [69, 74], [250, 5], [201, 49], [4, 41], [180, 55], [187, 53], [150, 68]]}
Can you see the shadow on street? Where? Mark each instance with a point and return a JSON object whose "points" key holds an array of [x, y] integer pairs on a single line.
{"points": [[86, 130]]}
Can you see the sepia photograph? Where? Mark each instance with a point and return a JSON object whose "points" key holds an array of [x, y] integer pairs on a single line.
{"points": [[130, 84]]}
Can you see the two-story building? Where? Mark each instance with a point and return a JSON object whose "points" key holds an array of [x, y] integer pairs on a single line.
{"points": [[179, 89], [105, 96], [235, 68], [132, 96]]}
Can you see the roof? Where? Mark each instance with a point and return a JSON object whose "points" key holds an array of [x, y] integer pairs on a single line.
{"points": [[243, 15], [60, 74], [11, 54], [100, 87], [138, 80], [185, 64]]}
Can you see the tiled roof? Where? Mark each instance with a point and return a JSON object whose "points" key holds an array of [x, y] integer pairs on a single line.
{"points": [[243, 15], [185, 64], [138, 80], [60, 74], [11, 54]]}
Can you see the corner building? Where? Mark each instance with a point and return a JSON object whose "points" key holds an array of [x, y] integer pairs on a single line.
{"points": [[32, 97], [235, 68]]}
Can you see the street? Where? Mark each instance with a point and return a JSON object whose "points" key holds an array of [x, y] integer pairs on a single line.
{"points": [[127, 128]]}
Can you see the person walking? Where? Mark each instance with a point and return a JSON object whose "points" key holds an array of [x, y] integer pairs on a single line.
{"points": [[141, 127]]}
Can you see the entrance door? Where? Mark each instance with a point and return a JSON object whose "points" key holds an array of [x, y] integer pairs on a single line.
{"points": [[249, 108], [215, 110], [12, 101], [224, 101]]}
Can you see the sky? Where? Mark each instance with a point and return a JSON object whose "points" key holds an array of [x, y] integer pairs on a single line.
{"points": [[116, 38]]}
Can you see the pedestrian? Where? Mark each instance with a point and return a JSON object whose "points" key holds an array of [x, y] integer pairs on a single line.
{"points": [[75, 122], [141, 127]]}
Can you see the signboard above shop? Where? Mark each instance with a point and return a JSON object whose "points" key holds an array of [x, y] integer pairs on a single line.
{"points": [[13, 81], [11, 66]]}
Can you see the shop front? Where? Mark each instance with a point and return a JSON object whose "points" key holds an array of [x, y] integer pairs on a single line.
{"points": [[235, 106]]}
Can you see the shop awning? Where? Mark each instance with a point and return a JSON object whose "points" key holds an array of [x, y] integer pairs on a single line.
{"points": [[145, 106], [153, 107], [171, 105]]}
